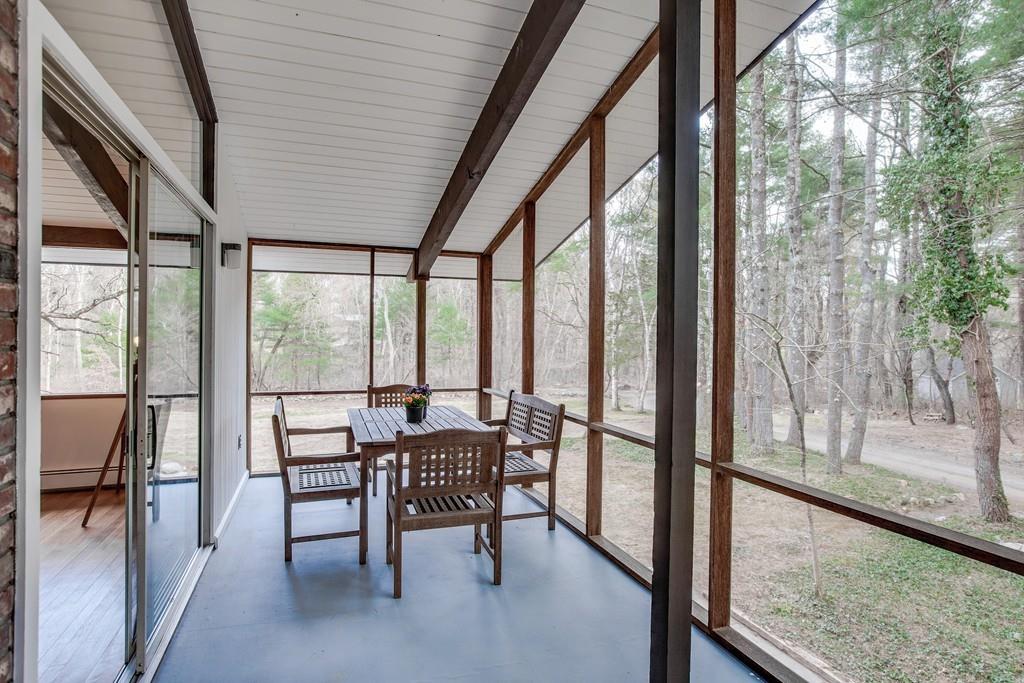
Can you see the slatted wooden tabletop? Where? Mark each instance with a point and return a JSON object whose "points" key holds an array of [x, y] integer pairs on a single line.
{"points": [[377, 426]]}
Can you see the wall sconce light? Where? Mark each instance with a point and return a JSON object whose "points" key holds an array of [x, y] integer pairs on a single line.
{"points": [[231, 255]]}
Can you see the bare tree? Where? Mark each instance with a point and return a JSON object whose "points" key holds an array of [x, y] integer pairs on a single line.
{"points": [[836, 279]]}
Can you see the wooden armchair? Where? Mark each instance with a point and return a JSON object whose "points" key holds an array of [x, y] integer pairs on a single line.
{"points": [[309, 478], [538, 425], [390, 396], [454, 478]]}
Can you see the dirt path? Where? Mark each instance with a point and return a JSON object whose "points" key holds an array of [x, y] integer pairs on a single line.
{"points": [[932, 465]]}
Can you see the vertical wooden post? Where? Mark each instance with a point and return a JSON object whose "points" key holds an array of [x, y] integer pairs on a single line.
{"points": [[723, 368], [421, 331], [529, 292], [373, 284], [678, 260], [595, 325], [485, 333], [208, 180]]}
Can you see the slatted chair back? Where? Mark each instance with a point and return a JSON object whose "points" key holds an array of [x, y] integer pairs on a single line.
{"points": [[531, 418], [281, 441], [390, 396], [451, 461]]}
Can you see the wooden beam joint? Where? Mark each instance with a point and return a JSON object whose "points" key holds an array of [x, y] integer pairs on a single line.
{"points": [[543, 30]]}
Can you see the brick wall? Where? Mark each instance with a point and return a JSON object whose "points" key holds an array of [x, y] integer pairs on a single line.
{"points": [[8, 320]]}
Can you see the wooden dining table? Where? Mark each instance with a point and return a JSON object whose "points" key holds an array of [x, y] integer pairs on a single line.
{"points": [[374, 429]]}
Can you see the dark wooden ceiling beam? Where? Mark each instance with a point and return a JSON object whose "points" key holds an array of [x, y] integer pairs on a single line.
{"points": [[543, 30], [616, 91], [89, 160], [179, 20], [183, 31], [82, 238]]}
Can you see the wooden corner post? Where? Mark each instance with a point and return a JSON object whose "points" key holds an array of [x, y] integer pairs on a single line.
{"points": [[421, 331], [595, 326], [675, 421], [529, 292], [485, 333], [724, 315]]}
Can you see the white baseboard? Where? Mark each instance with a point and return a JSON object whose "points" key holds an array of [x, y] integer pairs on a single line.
{"points": [[84, 478], [230, 511]]}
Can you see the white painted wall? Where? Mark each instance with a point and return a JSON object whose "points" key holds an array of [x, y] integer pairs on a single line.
{"points": [[229, 349], [75, 440]]}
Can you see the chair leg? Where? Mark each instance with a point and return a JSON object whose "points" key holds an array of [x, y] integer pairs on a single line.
{"points": [[397, 558], [496, 547], [375, 474], [388, 524], [476, 539], [551, 503], [287, 531]]}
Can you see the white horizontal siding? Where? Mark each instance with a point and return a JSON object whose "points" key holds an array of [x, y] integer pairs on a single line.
{"points": [[343, 121]]}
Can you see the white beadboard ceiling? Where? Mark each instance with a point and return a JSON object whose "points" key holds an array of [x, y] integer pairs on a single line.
{"points": [[343, 120]]}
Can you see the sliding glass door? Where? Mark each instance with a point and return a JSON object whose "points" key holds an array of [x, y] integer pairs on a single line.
{"points": [[167, 400]]}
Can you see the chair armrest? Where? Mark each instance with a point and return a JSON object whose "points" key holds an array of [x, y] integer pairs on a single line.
{"points": [[392, 470], [300, 431], [321, 459], [533, 446], [496, 422]]}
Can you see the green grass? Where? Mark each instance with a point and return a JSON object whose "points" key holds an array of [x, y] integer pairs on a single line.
{"points": [[898, 610]]}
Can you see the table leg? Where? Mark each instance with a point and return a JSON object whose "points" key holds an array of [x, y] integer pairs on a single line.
{"points": [[364, 471]]}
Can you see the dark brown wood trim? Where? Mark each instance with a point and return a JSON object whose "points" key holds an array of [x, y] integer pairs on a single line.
{"points": [[421, 331], [500, 393], [529, 295], [724, 303], [346, 246], [624, 434], [916, 529], [619, 87], [485, 333], [595, 326], [373, 322], [179, 20], [209, 165], [542, 31], [89, 160], [82, 238], [309, 392]]}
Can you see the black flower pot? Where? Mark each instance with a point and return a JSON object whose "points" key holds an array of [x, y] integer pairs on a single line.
{"points": [[415, 414]]}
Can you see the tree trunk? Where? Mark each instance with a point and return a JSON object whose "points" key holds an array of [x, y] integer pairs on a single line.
{"points": [[866, 310], [794, 225], [836, 277], [942, 384], [977, 351], [762, 434]]}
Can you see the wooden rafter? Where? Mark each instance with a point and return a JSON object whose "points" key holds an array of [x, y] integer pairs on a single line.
{"points": [[543, 30], [616, 91], [89, 160], [183, 32], [179, 20], [82, 238]]}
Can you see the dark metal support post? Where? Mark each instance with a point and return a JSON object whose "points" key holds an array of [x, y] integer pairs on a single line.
{"points": [[675, 426]]}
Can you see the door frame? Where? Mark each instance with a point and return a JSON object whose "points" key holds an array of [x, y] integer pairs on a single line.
{"points": [[41, 38]]}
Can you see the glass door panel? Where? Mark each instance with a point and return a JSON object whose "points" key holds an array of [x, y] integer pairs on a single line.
{"points": [[171, 423]]}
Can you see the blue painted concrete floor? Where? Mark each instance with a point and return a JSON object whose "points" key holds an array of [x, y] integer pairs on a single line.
{"points": [[562, 613]]}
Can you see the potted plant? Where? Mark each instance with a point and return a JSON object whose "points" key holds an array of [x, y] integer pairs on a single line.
{"points": [[416, 401]]}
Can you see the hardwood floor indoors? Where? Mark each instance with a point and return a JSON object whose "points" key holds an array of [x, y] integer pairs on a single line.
{"points": [[81, 610]]}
